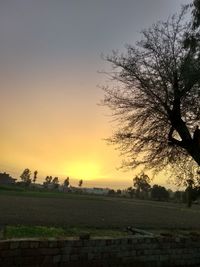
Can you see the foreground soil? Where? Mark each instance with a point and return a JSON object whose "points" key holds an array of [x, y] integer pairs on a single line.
{"points": [[95, 211]]}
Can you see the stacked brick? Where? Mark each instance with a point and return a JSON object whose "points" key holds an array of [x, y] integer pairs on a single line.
{"points": [[132, 251]]}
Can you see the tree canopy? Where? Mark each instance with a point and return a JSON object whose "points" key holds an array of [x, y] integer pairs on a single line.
{"points": [[196, 14], [155, 97], [80, 183], [66, 182], [26, 176], [142, 184], [159, 192]]}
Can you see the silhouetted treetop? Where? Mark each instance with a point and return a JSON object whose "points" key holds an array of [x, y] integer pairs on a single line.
{"points": [[66, 182], [26, 176], [80, 183], [159, 192], [141, 183], [155, 97], [196, 13], [35, 176]]}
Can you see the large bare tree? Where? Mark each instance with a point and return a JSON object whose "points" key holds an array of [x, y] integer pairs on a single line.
{"points": [[155, 97], [196, 14]]}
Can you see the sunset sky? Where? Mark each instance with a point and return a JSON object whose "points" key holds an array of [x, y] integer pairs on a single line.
{"points": [[50, 55]]}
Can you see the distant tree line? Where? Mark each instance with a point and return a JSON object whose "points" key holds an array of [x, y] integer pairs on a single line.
{"points": [[27, 179], [141, 188]]}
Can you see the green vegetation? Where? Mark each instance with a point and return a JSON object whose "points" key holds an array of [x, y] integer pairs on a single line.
{"points": [[32, 231], [43, 193], [43, 232], [11, 188], [56, 232]]}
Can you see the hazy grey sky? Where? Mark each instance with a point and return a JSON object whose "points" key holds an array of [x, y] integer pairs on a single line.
{"points": [[71, 31]]}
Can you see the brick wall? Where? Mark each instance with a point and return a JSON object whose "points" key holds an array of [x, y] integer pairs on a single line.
{"points": [[132, 251]]}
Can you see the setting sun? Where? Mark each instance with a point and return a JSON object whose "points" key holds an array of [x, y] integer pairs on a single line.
{"points": [[83, 170]]}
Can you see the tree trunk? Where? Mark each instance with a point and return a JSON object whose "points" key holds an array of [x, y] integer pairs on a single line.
{"points": [[187, 142], [194, 152]]}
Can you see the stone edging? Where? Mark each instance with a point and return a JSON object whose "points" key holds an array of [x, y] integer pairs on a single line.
{"points": [[142, 251]]}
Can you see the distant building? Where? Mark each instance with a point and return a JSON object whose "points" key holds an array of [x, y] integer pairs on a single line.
{"points": [[125, 193], [96, 191], [6, 179], [36, 185], [63, 188]]}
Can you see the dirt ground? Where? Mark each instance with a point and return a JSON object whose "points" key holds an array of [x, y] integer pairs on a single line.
{"points": [[94, 211]]}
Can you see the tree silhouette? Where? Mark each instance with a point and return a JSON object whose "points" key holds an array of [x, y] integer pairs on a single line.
{"points": [[131, 191], [178, 196], [66, 182], [187, 171], [26, 176], [47, 181], [35, 176], [159, 192], [55, 182], [119, 192], [155, 98], [196, 14], [189, 191], [80, 183], [111, 192], [141, 184]]}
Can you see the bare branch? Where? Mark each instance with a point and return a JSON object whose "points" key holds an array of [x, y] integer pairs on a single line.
{"points": [[155, 97]]}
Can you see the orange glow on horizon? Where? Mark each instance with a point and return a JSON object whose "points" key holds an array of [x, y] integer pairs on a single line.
{"points": [[83, 170]]}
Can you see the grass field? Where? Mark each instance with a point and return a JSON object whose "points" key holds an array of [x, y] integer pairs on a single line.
{"points": [[71, 211], [57, 232]]}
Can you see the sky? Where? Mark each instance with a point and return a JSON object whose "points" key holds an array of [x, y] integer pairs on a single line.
{"points": [[50, 59]]}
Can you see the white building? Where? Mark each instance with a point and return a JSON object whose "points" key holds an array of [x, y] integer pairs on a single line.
{"points": [[96, 191]]}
